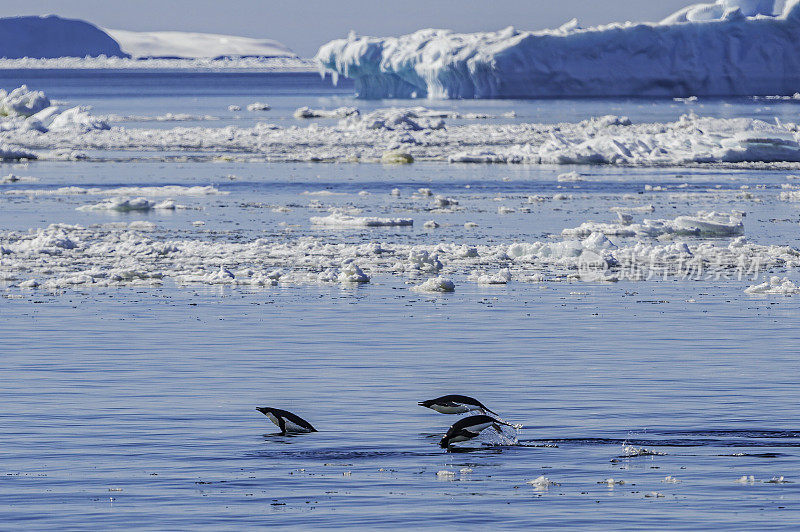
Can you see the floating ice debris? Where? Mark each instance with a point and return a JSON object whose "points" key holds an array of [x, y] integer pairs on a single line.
{"points": [[790, 195], [465, 470], [430, 224], [339, 112], [541, 483], [234, 108], [502, 277], [22, 102], [351, 273], [166, 190], [703, 223], [423, 192], [436, 284], [423, 261], [342, 220], [10, 152], [633, 209], [569, 177], [610, 482], [31, 283], [446, 474], [670, 480], [689, 140], [745, 479], [775, 286], [396, 157], [536, 199], [93, 255], [654, 494], [258, 106], [470, 225], [395, 192], [443, 202], [505, 210], [128, 205]]}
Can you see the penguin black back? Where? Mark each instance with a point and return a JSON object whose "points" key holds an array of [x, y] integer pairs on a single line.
{"points": [[467, 428], [454, 404], [286, 421]]}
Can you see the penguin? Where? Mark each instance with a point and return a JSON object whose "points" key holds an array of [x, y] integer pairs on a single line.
{"points": [[456, 404], [286, 421], [470, 427]]}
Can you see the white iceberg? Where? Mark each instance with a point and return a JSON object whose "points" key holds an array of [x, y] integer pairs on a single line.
{"points": [[730, 47], [187, 45]]}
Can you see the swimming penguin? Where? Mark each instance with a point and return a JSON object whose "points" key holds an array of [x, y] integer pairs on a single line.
{"points": [[455, 404], [469, 427], [286, 421]]}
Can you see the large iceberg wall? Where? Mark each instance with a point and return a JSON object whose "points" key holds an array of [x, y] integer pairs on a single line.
{"points": [[731, 47], [52, 36]]}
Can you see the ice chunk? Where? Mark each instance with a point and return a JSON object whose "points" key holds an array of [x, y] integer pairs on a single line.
{"points": [[339, 112], [436, 284], [343, 220], [775, 285]]}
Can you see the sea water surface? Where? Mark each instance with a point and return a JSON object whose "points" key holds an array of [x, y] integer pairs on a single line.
{"points": [[660, 404]]}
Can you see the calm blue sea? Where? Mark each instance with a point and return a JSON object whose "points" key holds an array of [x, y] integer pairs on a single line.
{"points": [[134, 408]]}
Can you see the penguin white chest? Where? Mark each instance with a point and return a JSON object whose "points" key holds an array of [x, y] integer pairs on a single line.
{"points": [[451, 409], [293, 427]]}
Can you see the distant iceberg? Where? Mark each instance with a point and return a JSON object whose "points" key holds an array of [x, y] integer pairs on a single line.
{"points": [[186, 45], [52, 36], [731, 47], [55, 37]]}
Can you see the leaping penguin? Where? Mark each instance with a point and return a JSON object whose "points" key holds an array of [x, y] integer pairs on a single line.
{"points": [[456, 404], [286, 421], [470, 427]]}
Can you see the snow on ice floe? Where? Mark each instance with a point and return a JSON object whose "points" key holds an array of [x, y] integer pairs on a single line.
{"points": [[131, 205], [730, 47], [187, 45], [61, 256], [403, 136], [775, 286], [703, 223], [164, 190], [436, 284], [339, 112], [343, 220]]}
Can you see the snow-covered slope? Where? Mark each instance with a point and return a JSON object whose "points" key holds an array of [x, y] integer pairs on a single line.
{"points": [[731, 47], [183, 45], [52, 36]]}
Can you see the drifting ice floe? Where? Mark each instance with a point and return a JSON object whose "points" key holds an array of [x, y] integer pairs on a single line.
{"points": [[703, 223], [730, 47], [775, 285], [406, 135], [165, 190], [339, 112], [129, 205], [437, 284], [61, 256], [341, 220]]}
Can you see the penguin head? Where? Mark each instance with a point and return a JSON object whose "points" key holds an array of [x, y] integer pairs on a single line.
{"points": [[445, 443]]}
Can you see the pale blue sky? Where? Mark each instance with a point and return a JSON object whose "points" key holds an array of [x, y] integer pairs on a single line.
{"points": [[305, 24]]}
